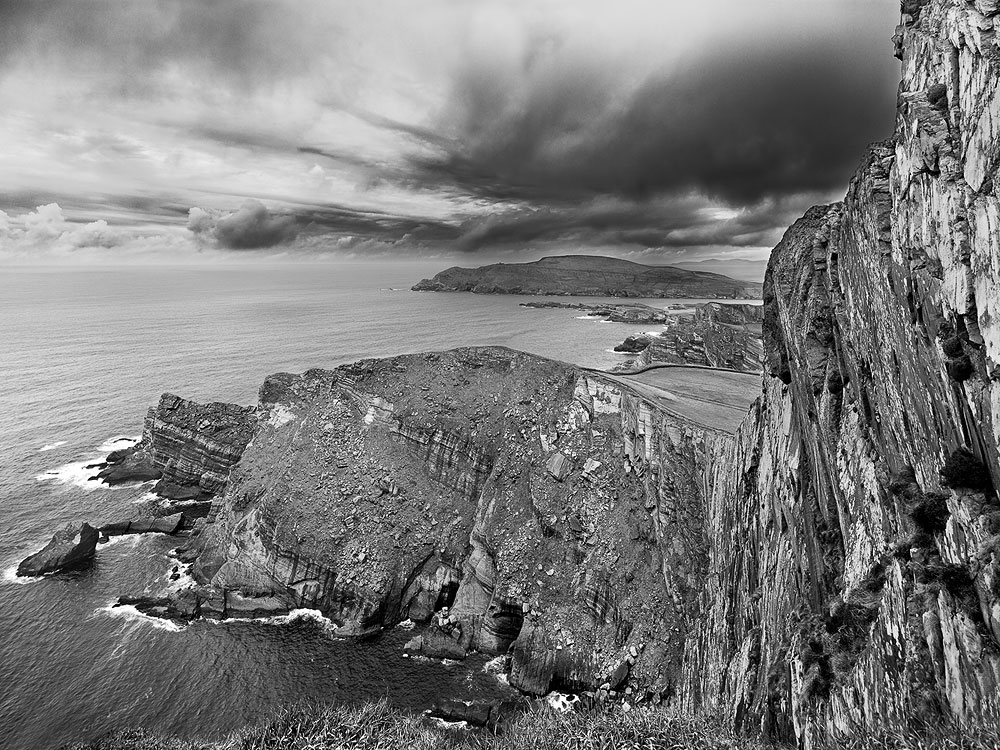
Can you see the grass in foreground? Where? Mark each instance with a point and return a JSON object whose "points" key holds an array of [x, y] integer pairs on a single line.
{"points": [[378, 726]]}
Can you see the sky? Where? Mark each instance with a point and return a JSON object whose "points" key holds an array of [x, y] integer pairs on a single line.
{"points": [[657, 130]]}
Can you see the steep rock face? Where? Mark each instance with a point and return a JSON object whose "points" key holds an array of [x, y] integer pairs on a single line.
{"points": [[711, 335], [556, 514], [864, 593], [189, 447], [589, 275]]}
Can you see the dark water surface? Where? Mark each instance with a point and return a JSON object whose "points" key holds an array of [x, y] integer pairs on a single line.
{"points": [[83, 353]]}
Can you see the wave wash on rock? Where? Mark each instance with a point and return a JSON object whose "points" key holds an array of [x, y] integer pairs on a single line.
{"points": [[864, 590]]}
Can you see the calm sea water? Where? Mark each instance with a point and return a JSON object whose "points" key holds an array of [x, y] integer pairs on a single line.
{"points": [[83, 352]]}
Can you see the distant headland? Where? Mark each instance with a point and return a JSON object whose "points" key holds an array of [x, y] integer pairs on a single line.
{"points": [[590, 275]]}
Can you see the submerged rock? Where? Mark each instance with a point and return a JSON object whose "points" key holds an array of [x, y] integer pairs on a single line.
{"points": [[70, 547]]}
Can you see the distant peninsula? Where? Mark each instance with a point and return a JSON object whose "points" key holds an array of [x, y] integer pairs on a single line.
{"points": [[590, 275]]}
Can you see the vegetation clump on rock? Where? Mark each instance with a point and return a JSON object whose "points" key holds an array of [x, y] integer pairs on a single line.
{"points": [[963, 468]]}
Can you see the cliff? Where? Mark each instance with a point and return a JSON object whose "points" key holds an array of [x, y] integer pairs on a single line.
{"points": [[547, 512], [589, 275], [188, 447], [709, 335], [864, 593]]}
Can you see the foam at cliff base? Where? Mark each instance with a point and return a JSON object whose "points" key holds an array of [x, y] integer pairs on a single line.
{"points": [[118, 442], [296, 615], [10, 576], [130, 614], [77, 474], [125, 540]]}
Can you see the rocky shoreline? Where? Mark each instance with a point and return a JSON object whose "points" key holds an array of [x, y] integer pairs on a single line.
{"points": [[709, 334]]}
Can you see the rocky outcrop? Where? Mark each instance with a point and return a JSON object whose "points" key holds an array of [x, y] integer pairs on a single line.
{"points": [[525, 506], [71, 547], [710, 334], [188, 447], [727, 336], [589, 275]]}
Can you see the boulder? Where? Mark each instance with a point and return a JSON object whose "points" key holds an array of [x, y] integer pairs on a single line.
{"points": [[558, 466], [475, 714], [69, 548], [633, 344]]}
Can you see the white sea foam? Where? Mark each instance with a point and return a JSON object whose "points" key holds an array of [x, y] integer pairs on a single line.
{"points": [[130, 614], [118, 442], [77, 474], [123, 540], [51, 446], [10, 576], [590, 317]]}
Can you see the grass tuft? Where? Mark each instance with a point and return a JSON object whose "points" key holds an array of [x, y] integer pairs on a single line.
{"points": [[378, 726]]}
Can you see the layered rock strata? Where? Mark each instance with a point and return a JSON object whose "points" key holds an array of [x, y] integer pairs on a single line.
{"points": [[863, 595], [542, 511], [189, 448], [727, 336]]}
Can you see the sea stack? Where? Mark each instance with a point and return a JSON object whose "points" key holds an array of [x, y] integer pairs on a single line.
{"points": [[70, 547]]}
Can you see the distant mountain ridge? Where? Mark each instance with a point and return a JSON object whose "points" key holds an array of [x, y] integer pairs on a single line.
{"points": [[589, 275]]}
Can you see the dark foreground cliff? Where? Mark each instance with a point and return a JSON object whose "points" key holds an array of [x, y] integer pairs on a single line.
{"points": [[865, 591], [589, 275]]}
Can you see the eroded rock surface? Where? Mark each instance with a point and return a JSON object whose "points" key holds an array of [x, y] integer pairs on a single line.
{"points": [[863, 593], [71, 547], [551, 513], [188, 447]]}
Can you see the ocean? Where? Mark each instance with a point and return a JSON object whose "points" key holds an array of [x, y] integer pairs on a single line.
{"points": [[83, 353]]}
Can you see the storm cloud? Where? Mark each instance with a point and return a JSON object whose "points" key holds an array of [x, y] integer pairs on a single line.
{"points": [[430, 127], [737, 124], [251, 227]]}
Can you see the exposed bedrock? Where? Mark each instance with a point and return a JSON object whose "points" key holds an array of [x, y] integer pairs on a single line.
{"points": [[534, 508], [70, 547], [863, 593], [188, 447]]}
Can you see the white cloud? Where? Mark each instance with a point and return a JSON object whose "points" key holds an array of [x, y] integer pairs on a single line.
{"points": [[46, 234]]}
